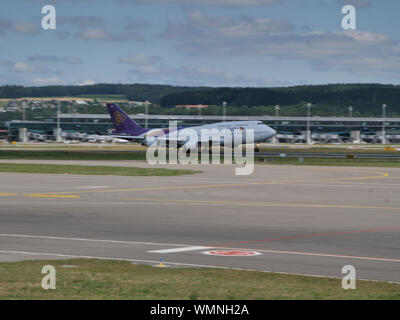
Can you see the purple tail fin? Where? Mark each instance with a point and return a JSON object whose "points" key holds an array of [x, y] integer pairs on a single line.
{"points": [[122, 122]]}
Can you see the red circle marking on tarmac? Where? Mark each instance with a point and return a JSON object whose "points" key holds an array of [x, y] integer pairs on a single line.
{"points": [[231, 253]]}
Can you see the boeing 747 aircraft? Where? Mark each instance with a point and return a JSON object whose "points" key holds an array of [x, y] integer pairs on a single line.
{"points": [[126, 128]]}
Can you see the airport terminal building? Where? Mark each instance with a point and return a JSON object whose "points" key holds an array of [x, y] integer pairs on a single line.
{"points": [[290, 129]]}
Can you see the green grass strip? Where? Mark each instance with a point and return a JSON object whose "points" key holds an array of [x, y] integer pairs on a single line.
{"points": [[90, 170], [71, 155], [98, 279], [314, 161]]}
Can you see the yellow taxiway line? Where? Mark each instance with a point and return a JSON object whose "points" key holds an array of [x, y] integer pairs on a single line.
{"points": [[260, 204], [201, 186], [377, 175], [49, 196], [38, 195]]}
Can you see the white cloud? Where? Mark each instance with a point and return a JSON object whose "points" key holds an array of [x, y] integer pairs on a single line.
{"points": [[145, 65], [243, 26], [25, 27], [86, 83], [216, 3], [203, 34], [5, 62], [356, 3], [147, 70], [81, 21], [139, 59], [23, 67], [212, 76], [51, 58], [206, 29], [18, 26], [101, 35], [94, 34], [93, 28], [195, 75], [47, 81], [240, 3]]}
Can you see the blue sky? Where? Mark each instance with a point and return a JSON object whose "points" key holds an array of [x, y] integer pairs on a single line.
{"points": [[199, 42]]}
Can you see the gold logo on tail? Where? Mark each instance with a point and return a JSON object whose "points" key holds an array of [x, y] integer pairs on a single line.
{"points": [[119, 118]]}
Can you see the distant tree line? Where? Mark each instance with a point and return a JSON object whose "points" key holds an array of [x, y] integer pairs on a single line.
{"points": [[328, 100], [366, 98], [133, 92]]}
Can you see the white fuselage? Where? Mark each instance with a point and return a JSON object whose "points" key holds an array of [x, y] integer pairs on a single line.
{"points": [[216, 133]]}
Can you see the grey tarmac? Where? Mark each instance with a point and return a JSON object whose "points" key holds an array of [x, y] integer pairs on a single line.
{"points": [[303, 220]]}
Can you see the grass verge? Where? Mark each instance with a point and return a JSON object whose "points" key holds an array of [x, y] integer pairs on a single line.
{"points": [[141, 155], [370, 149], [90, 170], [99, 279], [71, 155], [315, 161]]}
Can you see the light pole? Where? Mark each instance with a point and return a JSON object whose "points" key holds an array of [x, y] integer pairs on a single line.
{"points": [[146, 108], [277, 108], [308, 122], [23, 112], [384, 106], [58, 116], [351, 111], [224, 104], [58, 122]]}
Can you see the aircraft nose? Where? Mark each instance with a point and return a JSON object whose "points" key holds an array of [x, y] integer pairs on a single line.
{"points": [[271, 131]]}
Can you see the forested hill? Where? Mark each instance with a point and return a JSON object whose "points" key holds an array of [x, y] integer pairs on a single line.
{"points": [[367, 98], [361, 95], [134, 92]]}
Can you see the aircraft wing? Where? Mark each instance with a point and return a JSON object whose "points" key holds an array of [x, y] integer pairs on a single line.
{"points": [[129, 137], [181, 142]]}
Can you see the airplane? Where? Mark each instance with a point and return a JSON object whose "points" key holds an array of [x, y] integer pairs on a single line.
{"points": [[126, 128]]}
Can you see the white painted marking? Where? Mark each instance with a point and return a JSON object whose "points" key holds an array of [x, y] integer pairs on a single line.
{"points": [[178, 264], [315, 254], [232, 253], [179, 249], [208, 247], [108, 258], [92, 240]]}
